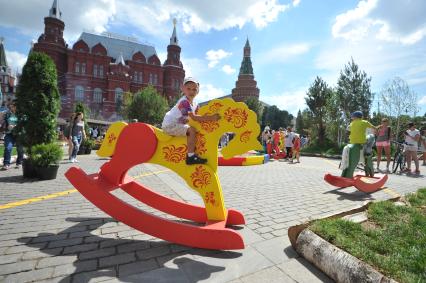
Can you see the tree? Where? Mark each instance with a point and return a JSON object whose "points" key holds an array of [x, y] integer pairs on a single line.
{"points": [[353, 90], [398, 99], [147, 106], [254, 105], [316, 99], [276, 118], [38, 101], [300, 125]]}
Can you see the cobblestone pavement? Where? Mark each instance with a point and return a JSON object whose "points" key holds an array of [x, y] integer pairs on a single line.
{"points": [[64, 238]]}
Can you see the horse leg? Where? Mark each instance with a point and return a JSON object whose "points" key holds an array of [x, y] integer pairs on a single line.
{"points": [[136, 144]]}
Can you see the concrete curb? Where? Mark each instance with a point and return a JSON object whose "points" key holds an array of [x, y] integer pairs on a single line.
{"points": [[336, 263]]}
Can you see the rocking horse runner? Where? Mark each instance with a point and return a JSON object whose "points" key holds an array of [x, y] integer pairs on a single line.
{"points": [[138, 143], [360, 145]]}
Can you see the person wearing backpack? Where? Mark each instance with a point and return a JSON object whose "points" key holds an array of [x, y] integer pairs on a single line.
{"points": [[10, 138], [383, 142]]}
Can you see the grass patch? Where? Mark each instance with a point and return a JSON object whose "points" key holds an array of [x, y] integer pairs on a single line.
{"points": [[394, 241], [2, 151]]}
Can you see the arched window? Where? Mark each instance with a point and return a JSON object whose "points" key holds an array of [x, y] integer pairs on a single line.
{"points": [[151, 80], [95, 70], [135, 76], [79, 93], [97, 95], [101, 71], [77, 67], [140, 77], [83, 68]]}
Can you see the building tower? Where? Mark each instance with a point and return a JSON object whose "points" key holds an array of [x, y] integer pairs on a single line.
{"points": [[7, 79], [246, 86], [173, 69], [53, 44]]}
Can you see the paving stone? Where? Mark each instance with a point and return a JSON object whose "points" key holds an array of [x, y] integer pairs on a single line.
{"points": [[160, 275], [97, 253], [65, 243], [268, 275], [42, 253], [137, 267], [56, 260], [95, 276], [131, 247], [276, 250], [24, 248], [10, 258], [17, 267], [153, 252], [117, 259], [29, 276], [301, 270], [76, 267], [80, 248]]}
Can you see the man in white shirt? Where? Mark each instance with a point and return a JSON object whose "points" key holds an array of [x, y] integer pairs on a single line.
{"points": [[412, 136]]}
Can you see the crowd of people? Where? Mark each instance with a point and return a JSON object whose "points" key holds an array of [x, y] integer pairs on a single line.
{"points": [[283, 143]]}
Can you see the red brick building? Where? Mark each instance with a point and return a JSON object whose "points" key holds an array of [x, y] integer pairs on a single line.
{"points": [[98, 69]]}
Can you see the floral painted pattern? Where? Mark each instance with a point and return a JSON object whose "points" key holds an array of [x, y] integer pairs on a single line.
{"points": [[215, 107], [200, 177], [200, 144], [210, 126], [209, 197], [111, 138], [245, 136], [236, 116], [175, 154]]}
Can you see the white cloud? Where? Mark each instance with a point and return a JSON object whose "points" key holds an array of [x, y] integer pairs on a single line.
{"points": [[387, 20], [296, 3], [292, 101], [194, 67], [283, 53], [422, 100], [16, 60], [228, 69], [78, 15], [214, 56], [235, 38], [208, 92]]}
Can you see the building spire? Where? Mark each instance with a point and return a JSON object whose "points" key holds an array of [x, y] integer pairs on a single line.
{"points": [[54, 12], [3, 61], [246, 66], [174, 40]]}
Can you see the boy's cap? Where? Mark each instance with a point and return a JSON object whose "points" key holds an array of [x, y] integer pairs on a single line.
{"points": [[356, 114], [190, 79], [411, 124]]}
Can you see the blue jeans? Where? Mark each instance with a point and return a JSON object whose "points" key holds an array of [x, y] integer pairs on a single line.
{"points": [[9, 142], [76, 140]]}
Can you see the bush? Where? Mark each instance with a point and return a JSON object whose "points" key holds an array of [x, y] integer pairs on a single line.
{"points": [[45, 155], [37, 101]]}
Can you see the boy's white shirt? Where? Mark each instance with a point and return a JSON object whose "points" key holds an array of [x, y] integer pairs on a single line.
{"points": [[172, 117]]}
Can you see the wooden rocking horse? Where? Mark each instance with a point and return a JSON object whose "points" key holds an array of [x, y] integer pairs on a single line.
{"points": [[138, 143]]}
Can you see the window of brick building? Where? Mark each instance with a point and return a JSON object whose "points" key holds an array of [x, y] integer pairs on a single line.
{"points": [[155, 79], [97, 95], [83, 68], [77, 67], [135, 77], [140, 77], [101, 71], [118, 94], [151, 80], [79, 93], [95, 70]]}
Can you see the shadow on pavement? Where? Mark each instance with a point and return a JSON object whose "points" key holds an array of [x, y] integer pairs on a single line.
{"points": [[355, 196], [113, 250], [17, 178]]}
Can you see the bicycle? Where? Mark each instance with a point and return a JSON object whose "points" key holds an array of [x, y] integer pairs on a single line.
{"points": [[398, 158]]}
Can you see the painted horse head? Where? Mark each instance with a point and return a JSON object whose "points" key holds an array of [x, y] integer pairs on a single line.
{"points": [[236, 118]]}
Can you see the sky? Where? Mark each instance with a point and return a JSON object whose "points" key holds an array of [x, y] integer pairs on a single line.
{"points": [[292, 41]]}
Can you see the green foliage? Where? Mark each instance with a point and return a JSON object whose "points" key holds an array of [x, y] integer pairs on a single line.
{"points": [[276, 118], [38, 101], [316, 99], [44, 155], [148, 106], [353, 90], [254, 105], [300, 125], [88, 143], [393, 242]]}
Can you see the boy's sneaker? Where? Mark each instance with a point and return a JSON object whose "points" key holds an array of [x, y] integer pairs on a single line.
{"points": [[195, 159], [18, 166]]}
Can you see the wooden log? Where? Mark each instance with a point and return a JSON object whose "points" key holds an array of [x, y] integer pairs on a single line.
{"points": [[336, 263]]}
